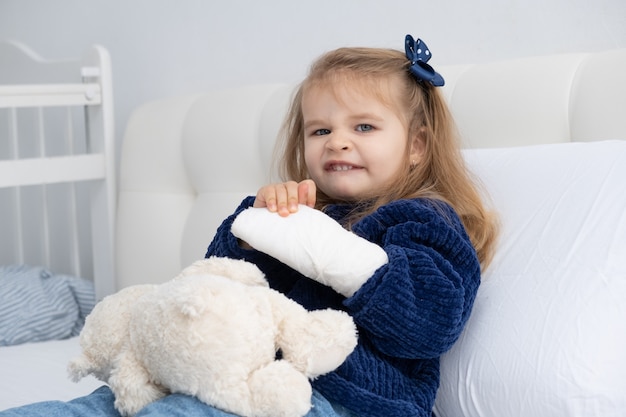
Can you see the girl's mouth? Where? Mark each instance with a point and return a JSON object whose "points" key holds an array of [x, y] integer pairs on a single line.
{"points": [[340, 167]]}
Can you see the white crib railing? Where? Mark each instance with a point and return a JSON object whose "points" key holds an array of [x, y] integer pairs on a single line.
{"points": [[72, 157]]}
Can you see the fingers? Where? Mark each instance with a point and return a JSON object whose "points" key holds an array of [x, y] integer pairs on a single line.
{"points": [[276, 197], [307, 192], [285, 197]]}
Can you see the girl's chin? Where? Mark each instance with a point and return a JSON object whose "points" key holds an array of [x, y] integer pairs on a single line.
{"points": [[347, 191], [348, 196]]}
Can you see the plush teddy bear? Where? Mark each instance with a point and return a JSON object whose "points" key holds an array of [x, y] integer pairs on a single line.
{"points": [[213, 332]]}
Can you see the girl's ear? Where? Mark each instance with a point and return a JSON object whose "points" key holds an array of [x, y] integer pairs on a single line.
{"points": [[417, 147]]}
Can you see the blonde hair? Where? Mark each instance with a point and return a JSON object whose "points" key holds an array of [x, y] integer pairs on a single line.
{"points": [[441, 173]]}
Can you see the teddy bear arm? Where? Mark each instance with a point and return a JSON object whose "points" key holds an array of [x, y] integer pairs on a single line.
{"points": [[315, 342]]}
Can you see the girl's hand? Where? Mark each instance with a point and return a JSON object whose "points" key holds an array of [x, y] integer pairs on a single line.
{"points": [[285, 197]]}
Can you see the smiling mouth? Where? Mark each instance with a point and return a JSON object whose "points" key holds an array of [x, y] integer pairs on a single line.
{"points": [[341, 167]]}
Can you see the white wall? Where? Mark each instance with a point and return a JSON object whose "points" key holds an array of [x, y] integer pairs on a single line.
{"points": [[167, 47]]}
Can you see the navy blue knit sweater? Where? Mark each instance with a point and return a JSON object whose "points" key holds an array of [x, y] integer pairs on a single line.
{"points": [[408, 313]]}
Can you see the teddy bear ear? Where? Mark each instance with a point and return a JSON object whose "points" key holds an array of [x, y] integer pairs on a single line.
{"points": [[188, 295], [193, 306]]}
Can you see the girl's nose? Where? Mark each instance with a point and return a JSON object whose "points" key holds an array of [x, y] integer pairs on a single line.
{"points": [[338, 142]]}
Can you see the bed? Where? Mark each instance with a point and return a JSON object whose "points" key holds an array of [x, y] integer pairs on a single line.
{"points": [[57, 201], [545, 136]]}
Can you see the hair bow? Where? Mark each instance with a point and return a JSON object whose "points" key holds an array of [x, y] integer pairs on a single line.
{"points": [[418, 53]]}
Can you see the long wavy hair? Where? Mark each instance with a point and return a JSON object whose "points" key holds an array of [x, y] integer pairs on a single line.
{"points": [[441, 174]]}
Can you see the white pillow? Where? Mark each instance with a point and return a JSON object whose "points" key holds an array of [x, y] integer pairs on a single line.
{"points": [[548, 333]]}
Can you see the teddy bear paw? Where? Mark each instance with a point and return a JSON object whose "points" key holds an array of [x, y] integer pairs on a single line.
{"points": [[279, 390], [333, 337]]}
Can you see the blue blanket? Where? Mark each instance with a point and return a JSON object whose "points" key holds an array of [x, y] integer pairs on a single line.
{"points": [[37, 305]]}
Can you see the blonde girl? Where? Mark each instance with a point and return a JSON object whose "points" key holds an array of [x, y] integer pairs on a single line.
{"points": [[370, 142]]}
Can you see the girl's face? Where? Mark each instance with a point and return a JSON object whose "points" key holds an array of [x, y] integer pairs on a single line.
{"points": [[354, 144]]}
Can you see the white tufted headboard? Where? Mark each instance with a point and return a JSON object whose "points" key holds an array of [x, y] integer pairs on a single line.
{"points": [[547, 334], [187, 161]]}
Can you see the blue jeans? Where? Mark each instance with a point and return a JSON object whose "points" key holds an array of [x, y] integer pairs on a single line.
{"points": [[100, 404]]}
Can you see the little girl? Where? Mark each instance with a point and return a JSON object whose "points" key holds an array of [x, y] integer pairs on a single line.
{"points": [[369, 142]]}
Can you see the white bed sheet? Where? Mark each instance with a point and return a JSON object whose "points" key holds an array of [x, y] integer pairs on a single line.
{"points": [[36, 372]]}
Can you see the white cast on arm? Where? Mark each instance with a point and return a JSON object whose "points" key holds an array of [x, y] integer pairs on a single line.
{"points": [[313, 244]]}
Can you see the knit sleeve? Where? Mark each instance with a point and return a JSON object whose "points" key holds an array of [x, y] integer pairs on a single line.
{"points": [[417, 304], [224, 243]]}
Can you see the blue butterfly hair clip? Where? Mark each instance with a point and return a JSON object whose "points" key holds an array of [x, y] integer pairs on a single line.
{"points": [[418, 53]]}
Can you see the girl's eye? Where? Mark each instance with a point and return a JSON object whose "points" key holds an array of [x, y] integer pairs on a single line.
{"points": [[364, 128], [321, 132]]}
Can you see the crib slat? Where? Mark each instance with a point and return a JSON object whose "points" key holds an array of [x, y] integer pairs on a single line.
{"points": [[44, 189], [73, 229], [33, 171]]}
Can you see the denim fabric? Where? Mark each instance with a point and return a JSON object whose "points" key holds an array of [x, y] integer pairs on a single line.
{"points": [[100, 404], [97, 404]]}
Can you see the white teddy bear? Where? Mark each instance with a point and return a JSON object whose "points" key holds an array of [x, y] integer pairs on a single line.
{"points": [[212, 332]]}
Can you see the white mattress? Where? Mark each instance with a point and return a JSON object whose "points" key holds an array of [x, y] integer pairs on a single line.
{"points": [[37, 372]]}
